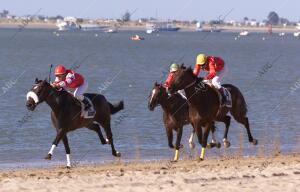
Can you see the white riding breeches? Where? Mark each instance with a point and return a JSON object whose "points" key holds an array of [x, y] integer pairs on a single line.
{"points": [[216, 81], [79, 91]]}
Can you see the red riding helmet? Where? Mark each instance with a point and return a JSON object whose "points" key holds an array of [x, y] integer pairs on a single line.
{"points": [[59, 70]]}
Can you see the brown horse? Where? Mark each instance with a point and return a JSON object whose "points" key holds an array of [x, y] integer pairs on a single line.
{"points": [[66, 114], [238, 109], [203, 103], [175, 115]]}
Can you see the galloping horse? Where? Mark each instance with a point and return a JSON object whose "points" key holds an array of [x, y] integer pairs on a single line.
{"points": [[175, 115], [238, 109], [66, 114], [203, 103]]}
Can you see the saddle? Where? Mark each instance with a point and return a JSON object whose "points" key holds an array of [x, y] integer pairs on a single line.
{"points": [[228, 102], [90, 112], [86, 114]]}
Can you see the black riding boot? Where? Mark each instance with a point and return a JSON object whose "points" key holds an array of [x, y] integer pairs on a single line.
{"points": [[86, 103], [224, 99]]}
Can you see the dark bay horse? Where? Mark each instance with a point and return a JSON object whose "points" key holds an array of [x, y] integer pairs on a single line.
{"points": [[238, 109], [203, 103], [66, 114], [175, 116]]}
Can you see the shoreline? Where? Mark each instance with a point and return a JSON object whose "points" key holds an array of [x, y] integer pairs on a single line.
{"points": [[232, 29], [272, 173]]}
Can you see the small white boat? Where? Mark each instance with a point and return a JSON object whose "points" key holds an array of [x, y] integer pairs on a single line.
{"points": [[92, 27], [111, 31], [296, 34], [199, 27], [244, 33], [67, 26], [281, 34], [151, 29]]}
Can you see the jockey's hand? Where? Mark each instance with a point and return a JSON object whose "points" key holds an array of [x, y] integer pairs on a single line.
{"points": [[55, 85], [205, 81]]}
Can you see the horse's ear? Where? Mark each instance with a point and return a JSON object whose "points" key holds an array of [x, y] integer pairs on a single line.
{"points": [[46, 80], [36, 80], [156, 84], [182, 66]]}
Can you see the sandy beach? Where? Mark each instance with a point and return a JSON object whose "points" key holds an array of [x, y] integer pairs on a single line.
{"points": [[280, 173]]}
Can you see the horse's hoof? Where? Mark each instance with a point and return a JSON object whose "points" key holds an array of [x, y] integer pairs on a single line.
{"points": [[68, 167], [254, 142], [48, 156], [107, 141], [200, 159], [174, 161], [218, 145], [226, 144], [117, 154], [192, 145], [209, 146]]}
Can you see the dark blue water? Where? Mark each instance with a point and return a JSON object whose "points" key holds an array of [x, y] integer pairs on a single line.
{"points": [[267, 71]]}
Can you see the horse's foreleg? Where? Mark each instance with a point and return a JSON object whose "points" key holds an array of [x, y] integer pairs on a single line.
{"points": [[198, 129], [207, 128], [191, 142], [59, 135], [214, 142], [169, 131], [68, 151], [177, 145]]}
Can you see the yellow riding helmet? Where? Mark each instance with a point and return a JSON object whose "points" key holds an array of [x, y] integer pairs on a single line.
{"points": [[201, 59], [174, 67]]}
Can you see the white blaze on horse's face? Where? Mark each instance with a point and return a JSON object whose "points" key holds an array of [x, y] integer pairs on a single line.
{"points": [[152, 95], [33, 96]]}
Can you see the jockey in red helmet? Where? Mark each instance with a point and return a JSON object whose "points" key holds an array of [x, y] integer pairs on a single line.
{"points": [[69, 79]]}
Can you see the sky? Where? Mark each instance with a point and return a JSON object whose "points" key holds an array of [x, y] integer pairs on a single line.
{"points": [[161, 9]]}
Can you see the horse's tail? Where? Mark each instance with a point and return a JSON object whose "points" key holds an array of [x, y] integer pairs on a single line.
{"points": [[239, 106], [116, 107]]}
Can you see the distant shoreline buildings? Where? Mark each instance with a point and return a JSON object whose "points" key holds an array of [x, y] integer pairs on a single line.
{"points": [[172, 25]]}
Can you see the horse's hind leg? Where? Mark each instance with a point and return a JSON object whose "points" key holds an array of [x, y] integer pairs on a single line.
{"points": [[107, 128], [245, 122], [68, 151], [226, 119], [95, 126]]}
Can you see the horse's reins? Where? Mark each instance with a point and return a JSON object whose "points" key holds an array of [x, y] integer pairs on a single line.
{"points": [[191, 84]]}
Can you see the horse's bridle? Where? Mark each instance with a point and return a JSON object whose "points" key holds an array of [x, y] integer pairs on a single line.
{"points": [[191, 84]]}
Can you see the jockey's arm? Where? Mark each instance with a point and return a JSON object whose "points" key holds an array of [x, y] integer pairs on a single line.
{"points": [[168, 81], [212, 71], [63, 83], [197, 69]]}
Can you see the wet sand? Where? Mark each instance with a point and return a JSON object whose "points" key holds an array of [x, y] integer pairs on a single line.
{"points": [[280, 173]]}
